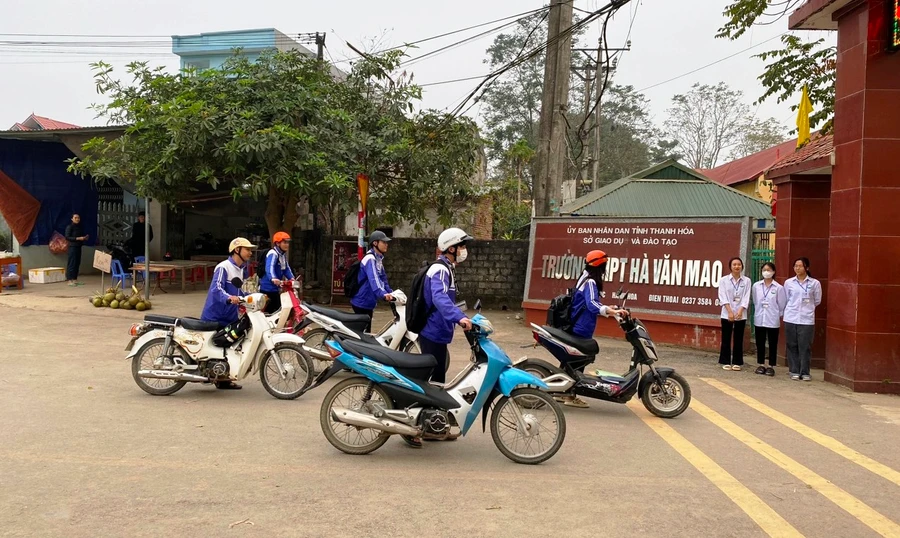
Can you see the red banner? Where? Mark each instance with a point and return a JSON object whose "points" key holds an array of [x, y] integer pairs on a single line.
{"points": [[343, 256], [668, 267]]}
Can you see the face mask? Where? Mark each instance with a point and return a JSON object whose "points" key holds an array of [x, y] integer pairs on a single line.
{"points": [[768, 274], [461, 255]]}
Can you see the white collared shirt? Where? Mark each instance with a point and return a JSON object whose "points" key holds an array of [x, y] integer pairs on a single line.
{"points": [[802, 300], [768, 304], [736, 293]]}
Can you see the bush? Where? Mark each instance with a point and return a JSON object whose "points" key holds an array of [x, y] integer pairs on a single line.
{"points": [[5, 240]]}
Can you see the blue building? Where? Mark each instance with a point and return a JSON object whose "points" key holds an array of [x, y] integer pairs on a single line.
{"points": [[210, 50]]}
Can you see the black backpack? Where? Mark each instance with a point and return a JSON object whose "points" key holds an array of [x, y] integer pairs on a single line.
{"points": [[261, 263], [417, 311], [351, 280], [559, 314]]}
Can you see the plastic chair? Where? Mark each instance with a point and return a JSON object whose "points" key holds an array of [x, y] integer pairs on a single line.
{"points": [[119, 274], [140, 274]]}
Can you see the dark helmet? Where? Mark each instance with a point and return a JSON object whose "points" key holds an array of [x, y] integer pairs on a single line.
{"points": [[378, 235]]}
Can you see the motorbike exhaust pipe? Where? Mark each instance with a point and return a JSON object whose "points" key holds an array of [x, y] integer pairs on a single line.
{"points": [[317, 353], [174, 376], [353, 418]]}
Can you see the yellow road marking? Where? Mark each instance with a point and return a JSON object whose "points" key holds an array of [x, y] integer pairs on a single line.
{"points": [[828, 442], [861, 511], [768, 519]]}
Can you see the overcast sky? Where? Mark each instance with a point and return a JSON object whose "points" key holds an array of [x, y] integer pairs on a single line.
{"points": [[668, 38]]}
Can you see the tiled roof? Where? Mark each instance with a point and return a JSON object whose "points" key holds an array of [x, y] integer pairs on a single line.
{"points": [[43, 124], [818, 147], [750, 167]]}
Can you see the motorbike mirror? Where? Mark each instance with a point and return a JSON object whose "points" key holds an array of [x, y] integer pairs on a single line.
{"points": [[462, 306], [478, 305], [237, 282]]}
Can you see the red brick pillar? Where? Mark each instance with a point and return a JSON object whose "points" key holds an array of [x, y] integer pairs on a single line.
{"points": [[801, 230], [863, 348]]}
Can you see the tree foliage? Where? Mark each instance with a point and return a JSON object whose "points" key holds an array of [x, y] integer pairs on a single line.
{"points": [[283, 127], [757, 136], [795, 64]]}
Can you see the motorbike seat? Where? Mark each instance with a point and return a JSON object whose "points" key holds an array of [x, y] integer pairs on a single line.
{"points": [[343, 317], [161, 320], [387, 356], [588, 346], [193, 324]]}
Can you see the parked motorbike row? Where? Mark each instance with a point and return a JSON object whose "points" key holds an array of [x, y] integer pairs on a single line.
{"points": [[389, 391]]}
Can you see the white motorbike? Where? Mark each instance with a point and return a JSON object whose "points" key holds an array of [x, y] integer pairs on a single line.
{"points": [[169, 352], [394, 335]]}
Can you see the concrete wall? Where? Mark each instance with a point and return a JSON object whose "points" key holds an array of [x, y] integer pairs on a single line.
{"points": [[494, 271], [36, 256]]}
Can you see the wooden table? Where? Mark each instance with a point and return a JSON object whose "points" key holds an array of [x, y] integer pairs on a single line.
{"points": [[17, 261], [167, 267]]}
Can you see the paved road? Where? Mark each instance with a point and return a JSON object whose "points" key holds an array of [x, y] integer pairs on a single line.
{"points": [[84, 452]]}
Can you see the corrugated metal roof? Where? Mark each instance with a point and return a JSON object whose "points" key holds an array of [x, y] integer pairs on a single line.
{"points": [[645, 195]]}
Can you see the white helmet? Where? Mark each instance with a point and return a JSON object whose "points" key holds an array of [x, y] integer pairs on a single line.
{"points": [[452, 237]]}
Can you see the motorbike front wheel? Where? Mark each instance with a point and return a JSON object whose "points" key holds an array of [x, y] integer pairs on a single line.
{"points": [[315, 339], [149, 357], [545, 426], [355, 394], [297, 375], [668, 400]]}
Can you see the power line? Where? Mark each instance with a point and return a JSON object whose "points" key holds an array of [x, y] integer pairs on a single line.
{"points": [[720, 60], [458, 43]]}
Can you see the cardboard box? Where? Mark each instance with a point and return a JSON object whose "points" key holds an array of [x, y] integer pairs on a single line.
{"points": [[46, 275]]}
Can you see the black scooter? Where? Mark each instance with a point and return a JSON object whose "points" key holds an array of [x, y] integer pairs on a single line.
{"points": [[664, 393]]}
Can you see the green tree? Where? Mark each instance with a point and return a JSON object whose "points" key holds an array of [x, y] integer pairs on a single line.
{"points": [[795, 64], [757, 136], [283, 127]]}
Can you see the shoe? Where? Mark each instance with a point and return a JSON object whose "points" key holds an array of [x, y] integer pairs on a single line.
{"points": [[736, 367], [560, 399], [770, 371], [227, 385], [726, 367], [795, 377], [415, 442], [575, 401], [760, 370], [806, 377]]}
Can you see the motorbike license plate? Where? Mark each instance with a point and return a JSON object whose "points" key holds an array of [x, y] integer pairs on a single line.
{"points": [[130, 344]]}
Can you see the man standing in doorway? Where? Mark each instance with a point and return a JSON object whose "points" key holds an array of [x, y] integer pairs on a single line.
{"points": [[138, 235]]}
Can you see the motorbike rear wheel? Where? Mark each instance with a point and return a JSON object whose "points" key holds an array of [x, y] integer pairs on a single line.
{"points": [[544, 419], [672, 401], [149, 357], [350, 393], [315, 339], [299, 371]]}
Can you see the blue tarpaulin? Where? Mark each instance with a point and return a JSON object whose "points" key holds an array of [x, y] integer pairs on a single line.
{"points": [[40, 169]]}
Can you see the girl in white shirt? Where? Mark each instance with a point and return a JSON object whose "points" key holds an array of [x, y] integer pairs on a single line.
{"points": [[804, 294], [769, 300], [734, 296]]}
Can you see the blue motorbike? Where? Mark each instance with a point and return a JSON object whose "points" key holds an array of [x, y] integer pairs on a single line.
{"points": [[392, 395]]}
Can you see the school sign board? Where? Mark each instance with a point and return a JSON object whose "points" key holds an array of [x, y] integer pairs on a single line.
{"points": [[669, 267]]}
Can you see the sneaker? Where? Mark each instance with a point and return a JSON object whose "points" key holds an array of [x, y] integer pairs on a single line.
{"points": [[227, 385], [760, 370], [726, 367], [560, 399], [770, 371], [415, 442], [736, 367], [575, 401], [795, 377], [806, 377]]}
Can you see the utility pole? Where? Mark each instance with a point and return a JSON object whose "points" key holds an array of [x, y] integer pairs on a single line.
{"points": [[320, 46], [552, 150], [595, 164]]}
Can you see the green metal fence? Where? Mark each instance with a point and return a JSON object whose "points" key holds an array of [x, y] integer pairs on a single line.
{"points": [[757, 258]]}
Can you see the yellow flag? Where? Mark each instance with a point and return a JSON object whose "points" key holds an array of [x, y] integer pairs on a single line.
{"points": [[803, 113]]}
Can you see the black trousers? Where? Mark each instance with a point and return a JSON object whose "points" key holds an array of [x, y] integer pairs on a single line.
{"points": [[770, 334], [368, 312], [74, 262], [440, 353], [732, 351], [274, 303]]}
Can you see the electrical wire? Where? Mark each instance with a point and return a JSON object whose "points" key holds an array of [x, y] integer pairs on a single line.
{"points": [[720, 60]]}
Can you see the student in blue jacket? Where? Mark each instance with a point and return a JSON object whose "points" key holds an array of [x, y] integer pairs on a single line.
{"points": [[277, 271], [223, 297], [373, 283]]}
